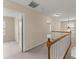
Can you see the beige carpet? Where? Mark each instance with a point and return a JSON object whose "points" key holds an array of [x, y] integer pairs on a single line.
{"points": [[11, 50], [73, 58]]}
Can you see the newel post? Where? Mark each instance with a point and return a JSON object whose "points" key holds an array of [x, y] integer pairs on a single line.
{"points": [[49, 46]]}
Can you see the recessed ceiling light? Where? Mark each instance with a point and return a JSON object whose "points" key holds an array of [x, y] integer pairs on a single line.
{"points": [[57, 14]]}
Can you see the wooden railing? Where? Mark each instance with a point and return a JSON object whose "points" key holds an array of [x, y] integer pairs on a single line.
{"points": [[51, 42]]}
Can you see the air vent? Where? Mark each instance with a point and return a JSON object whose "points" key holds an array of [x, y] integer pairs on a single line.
{"points": [[33, 4]]}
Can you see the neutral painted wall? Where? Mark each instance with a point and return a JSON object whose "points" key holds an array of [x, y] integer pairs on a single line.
{"points": [[18, 30], [9, 29], [35, 28]]}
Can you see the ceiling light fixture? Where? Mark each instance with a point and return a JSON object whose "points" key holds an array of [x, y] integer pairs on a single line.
{"points": [[57, 14]]}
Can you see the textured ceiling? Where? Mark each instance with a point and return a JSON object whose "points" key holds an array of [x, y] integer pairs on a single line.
{"points": [[50, 7]]}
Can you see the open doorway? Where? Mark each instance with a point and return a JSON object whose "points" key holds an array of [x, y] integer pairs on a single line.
{"points": [[12, 33], [8, 29]]}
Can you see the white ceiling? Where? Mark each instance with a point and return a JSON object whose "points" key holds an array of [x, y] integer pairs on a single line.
{"points": [[50, 7]]}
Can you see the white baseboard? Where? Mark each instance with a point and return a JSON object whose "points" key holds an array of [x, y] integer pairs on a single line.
{"points": [[26, 50]]}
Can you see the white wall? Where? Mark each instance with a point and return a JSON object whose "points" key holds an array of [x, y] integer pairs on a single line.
{"points": [[18, 30], [35, 27]]}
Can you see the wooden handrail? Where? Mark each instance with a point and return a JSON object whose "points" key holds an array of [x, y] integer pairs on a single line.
{"points": [[49, 42], [61, 31]]}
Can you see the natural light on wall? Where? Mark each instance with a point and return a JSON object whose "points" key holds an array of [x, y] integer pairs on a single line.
{"points": [[48, 21]]}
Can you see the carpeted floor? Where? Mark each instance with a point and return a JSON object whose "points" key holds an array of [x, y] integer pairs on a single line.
{"points": [[11, 50], [73, 53], [73, 58]]}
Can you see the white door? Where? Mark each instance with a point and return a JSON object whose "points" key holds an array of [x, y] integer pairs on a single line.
{"points": [[20, 32]]}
